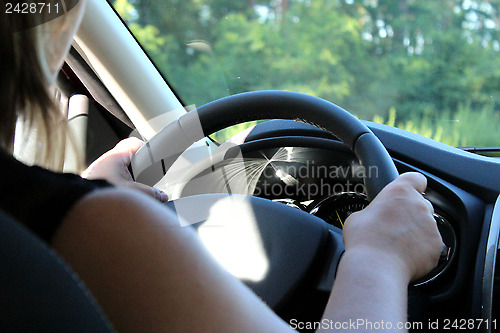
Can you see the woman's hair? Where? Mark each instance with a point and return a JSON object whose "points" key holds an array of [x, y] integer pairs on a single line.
{"points": [[24, 91]]}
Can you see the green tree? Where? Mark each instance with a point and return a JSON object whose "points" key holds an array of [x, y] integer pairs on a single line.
{"points": [[431, 61]]}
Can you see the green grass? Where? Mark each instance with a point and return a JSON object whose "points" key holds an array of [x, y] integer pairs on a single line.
{"points": [[465, 127]]}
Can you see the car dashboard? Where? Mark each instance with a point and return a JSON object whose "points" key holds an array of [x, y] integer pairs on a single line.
{"points": [[304, 167]]}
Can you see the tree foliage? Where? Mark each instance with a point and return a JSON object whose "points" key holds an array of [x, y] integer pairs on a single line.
{"points": [[435, 64]]}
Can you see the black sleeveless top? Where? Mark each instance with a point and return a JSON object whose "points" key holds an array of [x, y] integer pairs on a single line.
{"points": [[39, 198]]}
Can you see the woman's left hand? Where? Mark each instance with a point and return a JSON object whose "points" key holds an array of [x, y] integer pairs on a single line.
{"points": [[113, 167]]}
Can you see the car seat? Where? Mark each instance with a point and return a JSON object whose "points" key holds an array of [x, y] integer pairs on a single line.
{"points": [[38, 291]]}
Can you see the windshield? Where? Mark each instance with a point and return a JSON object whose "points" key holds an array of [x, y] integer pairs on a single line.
{"points": [[429, 67]]}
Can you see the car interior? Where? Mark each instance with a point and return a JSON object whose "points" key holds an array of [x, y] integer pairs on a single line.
{"points": [[282, 189]]}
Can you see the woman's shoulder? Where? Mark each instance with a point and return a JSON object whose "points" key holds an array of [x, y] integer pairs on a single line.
{"points": [[39, 198], [115, 213], [116, 203]]}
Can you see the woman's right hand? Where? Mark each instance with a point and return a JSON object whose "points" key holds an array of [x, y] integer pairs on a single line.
{"points": [[398, 227], [113, 167]]}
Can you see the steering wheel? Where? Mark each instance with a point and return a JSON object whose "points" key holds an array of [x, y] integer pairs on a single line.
{"points": [[293, 241]]}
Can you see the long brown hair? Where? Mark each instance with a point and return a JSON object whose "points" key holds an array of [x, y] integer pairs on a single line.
{"points": [[24, 91]]}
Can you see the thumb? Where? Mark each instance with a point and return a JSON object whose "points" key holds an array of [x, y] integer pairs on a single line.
{"points": [[148, 190], [415, 180], [126, 148]]}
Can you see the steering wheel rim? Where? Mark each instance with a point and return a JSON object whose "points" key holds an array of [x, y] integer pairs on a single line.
{"points": [[260, 105], [295, 241]]}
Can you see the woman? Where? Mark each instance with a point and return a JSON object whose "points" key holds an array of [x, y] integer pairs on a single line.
{"points": [[148, 273]]}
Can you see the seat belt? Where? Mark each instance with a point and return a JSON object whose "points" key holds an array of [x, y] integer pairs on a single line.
{"points": [[75, 66]]}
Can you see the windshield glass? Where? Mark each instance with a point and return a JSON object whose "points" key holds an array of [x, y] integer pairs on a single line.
{"points": [[429, 67]]}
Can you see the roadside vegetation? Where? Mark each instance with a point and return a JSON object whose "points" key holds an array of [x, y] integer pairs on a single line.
{"points": [[430, 67]]}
